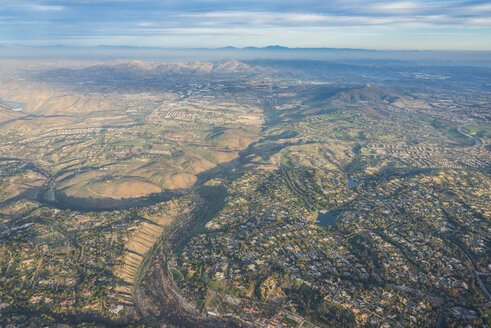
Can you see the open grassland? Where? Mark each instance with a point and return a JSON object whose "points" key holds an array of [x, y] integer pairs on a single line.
{"points": [[481, 130]]}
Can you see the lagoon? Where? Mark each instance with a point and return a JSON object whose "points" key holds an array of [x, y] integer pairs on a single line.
{"points": [[328, 218]]}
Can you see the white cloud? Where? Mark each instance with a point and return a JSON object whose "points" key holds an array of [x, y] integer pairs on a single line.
{"points": [[480, 21], [403, 7], [36, 7], [300, 21], [270, 19], [257, 19], [477, 9]]}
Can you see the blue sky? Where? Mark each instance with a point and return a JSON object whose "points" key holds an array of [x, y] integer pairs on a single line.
{"points": [[452, 25]]}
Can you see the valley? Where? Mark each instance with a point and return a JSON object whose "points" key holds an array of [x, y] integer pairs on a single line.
{"points": [[190, 194]]}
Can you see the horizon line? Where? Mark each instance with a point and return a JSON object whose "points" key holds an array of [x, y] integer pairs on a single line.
{"points": [[269, 47]]}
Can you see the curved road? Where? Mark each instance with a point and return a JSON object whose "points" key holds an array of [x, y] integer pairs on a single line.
{"points": [[477, 141]]}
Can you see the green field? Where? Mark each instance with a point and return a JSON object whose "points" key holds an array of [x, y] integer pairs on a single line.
{"points": [[480, 130]]}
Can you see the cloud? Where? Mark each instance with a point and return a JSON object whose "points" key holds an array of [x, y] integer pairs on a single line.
{"points": [[403, 8], [103, 19], [37, 7], [265, 19]]}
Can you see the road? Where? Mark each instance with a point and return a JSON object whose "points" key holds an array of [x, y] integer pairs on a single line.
{"points": [[477, 141]]}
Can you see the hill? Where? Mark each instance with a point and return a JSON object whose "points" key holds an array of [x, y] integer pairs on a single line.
{"points": [[366, 94], [143, 72]]}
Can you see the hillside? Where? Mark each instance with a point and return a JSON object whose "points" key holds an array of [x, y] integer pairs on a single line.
{"points": [[6, 113], [143, 72], [366, 94]]}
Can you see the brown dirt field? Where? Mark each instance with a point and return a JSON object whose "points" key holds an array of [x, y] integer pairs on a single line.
{"points": [[127, 187], [220, 156], [196, 164], [163, 220], [91, 184], [233, 138], [139, 244], [136, 248], [181, 180]]}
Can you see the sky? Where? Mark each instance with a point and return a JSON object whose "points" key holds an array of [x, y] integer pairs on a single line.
{"points": [[395, 25]]}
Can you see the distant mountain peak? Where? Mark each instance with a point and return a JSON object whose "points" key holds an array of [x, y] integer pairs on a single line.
{"points": [[276, 47], [230, 65]]}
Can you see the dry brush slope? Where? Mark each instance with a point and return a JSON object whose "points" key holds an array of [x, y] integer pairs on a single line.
{"points": [[135, 250]]}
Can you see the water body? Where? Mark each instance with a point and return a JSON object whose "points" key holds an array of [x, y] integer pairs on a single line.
{"points": [[352, 183], [14, 104], [328, 218]]}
